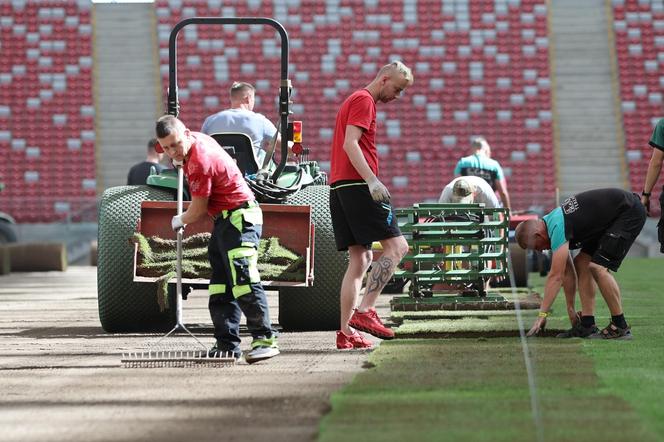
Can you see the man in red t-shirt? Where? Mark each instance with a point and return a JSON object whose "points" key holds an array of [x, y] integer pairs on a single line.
{"points": [[360, 206], [219, 190]]}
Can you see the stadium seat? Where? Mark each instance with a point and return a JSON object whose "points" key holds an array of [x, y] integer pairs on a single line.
{"points": [[637, 39], [49, 84]]}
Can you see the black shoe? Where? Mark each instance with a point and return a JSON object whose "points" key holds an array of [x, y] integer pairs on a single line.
{"points": [[612, 331], [578, 331], [214, 352]]}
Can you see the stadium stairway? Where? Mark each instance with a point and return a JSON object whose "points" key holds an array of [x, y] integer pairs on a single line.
{"points": [[126, 68], [590, 153]]}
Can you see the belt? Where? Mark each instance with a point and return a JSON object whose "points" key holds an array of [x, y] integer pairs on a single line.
{"points": [[226, 213]]}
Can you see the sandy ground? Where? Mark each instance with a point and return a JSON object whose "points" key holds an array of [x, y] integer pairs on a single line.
{"points": [[62, 380]]}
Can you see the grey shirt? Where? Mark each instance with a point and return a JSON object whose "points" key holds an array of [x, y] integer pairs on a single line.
{"points": [[256, 125]]}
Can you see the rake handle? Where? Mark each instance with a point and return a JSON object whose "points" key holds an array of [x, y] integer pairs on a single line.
{"points": [[178, 256]]}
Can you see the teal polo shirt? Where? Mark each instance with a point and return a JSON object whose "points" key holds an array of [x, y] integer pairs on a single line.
{"points": [[555, 227]]}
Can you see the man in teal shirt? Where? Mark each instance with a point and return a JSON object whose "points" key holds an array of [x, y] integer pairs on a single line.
{"points": [[603, 223], [482, 165]]}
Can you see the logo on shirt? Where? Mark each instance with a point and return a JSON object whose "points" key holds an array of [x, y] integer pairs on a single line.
{"points": [[570, 205], [486, 175]]}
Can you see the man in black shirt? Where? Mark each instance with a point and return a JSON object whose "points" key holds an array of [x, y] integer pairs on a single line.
{"points": [[139, 173], [603, 223]]}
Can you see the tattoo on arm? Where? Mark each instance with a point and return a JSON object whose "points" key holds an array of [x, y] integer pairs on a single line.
{"points": [[380, 274]]}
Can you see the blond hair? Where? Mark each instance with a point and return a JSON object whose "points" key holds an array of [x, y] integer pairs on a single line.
{"points": [[397, 67]]}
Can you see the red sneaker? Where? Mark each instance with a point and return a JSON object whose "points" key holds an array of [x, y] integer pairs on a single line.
{"points": [[356, 340], [370, 322]]}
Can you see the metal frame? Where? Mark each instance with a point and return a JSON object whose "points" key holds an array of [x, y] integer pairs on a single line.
{"points": [[284, 87], [467, 242]]}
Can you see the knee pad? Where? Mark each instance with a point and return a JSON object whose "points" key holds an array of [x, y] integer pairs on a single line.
{"points": [[613, 247], [244, 269]]}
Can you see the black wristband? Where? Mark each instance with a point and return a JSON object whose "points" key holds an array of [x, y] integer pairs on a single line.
{"points": [[644, 193]]}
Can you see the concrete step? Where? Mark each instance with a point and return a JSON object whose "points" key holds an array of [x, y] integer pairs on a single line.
{"points": [[585, 182], [573, 104], [119, 106], [584, 123], [572, 175], [571, 136]]}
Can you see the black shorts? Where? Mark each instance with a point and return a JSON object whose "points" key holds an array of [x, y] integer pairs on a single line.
{"points": [[610, 248], [356, 218]]}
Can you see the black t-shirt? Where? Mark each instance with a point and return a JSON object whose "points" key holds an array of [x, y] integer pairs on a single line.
{"points": [[588, 214], [140, 172]]}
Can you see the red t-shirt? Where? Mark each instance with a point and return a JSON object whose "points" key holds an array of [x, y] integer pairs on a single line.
{"points": [[212, 173], [358, 110]]}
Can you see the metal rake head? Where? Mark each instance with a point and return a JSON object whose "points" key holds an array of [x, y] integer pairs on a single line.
{"points": [[176, 358]]}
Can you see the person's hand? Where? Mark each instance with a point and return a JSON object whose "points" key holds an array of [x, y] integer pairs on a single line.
{"points": [[262, 175], [176, 223], [538, 326], [378, 191], [645, 200], [177, 163]]}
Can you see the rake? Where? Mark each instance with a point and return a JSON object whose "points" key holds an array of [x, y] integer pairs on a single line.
{"points": [[175, 353]]}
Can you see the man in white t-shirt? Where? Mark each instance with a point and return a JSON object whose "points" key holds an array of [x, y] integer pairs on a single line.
{"points": [[468, 190], [242, 118]]}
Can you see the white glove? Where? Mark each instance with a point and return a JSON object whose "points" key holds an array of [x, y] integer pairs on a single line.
{"points": [[378, 191], [262, 175], [176, 222], [177, 163]]}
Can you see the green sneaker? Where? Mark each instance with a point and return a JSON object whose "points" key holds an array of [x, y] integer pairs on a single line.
{"points": [[612, 331], [578, 331], [262, 349]]}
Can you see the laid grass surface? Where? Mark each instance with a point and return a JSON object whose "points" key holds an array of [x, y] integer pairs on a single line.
{"points": [[472, 323], [476, 389], [634, 370]]}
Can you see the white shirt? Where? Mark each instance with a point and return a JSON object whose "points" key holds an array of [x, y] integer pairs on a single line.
{"points": [[483, 192]]}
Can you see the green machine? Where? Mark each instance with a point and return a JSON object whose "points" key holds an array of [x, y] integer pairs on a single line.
{"points": [[455, 249]]}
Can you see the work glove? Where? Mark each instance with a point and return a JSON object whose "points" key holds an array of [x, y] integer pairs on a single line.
{"points": [[378, 191], [176, 223], [262, 175]]}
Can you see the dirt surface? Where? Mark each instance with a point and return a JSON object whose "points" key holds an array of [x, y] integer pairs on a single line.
{"points": [[61, 377]]}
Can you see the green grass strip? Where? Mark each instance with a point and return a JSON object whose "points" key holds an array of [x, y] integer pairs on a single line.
{"points": [[476, 389], [634, 370]]}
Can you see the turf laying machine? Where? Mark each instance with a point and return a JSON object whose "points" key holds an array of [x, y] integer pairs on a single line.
{"points": [[455, 249], [134, 221]]}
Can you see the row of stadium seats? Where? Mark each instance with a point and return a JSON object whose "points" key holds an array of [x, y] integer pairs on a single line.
{"points": [[46, 109], [639, 42], [481, 68]]}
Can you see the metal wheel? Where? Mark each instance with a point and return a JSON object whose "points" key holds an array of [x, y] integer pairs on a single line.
{"points": [[126, 306], [316, 307]]}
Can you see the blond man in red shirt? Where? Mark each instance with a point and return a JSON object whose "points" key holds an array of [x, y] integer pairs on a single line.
{"points": [[360, 206]]}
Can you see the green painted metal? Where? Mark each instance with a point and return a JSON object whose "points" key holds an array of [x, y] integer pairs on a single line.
{"points": [[453, 246]]}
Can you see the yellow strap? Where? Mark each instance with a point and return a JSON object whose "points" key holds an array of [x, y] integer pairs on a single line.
{"points": [[251, 254], [217, 289]]}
